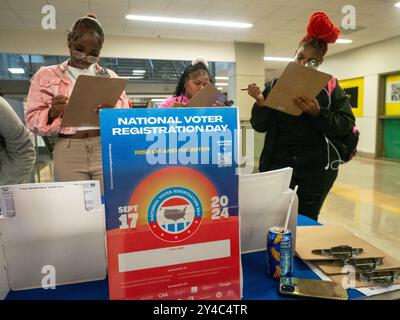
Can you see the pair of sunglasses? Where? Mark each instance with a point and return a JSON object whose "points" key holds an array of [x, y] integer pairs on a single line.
{"points": [[81, 56]]}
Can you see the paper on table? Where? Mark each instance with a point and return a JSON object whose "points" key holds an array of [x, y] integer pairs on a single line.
{"points": [[92, 196], [368, 291], [371, 291], [358, 283], [263, 203], [52, 227], [326, 237]]}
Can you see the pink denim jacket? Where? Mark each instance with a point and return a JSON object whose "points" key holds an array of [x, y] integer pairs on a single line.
{"points": [[167, 103], [53, 80]]}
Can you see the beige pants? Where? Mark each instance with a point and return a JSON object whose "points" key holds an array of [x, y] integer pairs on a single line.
{"points": [[78, 159]]}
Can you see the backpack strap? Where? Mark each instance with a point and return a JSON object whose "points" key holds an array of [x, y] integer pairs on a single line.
{"points": [[332, 85]]}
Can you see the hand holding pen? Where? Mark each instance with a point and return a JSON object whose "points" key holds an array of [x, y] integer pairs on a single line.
{"points": [[255, 92], [58, 104]]}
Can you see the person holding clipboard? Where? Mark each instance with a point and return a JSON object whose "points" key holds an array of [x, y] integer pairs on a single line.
{"points": [[300, 141], [195, 78], [77, 150]]}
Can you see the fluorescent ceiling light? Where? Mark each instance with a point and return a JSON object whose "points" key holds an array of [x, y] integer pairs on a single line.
{"points": [[16, 70], [221, 78], [139, 71], [222, 84], [397, 5], [344, 41], [214, 23], [278, 59], [220, 88]]}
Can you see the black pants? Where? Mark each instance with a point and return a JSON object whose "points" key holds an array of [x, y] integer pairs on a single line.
{"points": [[313, 180]]}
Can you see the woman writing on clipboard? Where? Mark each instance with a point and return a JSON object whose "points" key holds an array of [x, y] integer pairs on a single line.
{"points": [[77, 152], [299, 142], [194, 78]]}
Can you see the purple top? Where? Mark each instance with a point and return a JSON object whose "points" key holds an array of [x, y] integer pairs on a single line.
{"points": [[167, 103]]}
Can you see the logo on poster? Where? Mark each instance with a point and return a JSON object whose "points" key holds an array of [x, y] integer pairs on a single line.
{"points": [[175, 214]]}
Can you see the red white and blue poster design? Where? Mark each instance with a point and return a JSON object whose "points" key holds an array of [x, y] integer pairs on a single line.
{"points": [[171, 197]]}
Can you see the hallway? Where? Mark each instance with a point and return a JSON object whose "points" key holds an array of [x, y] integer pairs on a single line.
{"points": [[366, 200]]}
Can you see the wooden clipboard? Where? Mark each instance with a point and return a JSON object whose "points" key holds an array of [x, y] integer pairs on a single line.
{"points": [[359, 284], [335, 267], [326, 237], [207, 97], [296, 80], [88, 93]]}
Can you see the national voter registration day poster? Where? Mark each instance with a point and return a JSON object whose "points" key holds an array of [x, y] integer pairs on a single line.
{"points": [[171, 197]]}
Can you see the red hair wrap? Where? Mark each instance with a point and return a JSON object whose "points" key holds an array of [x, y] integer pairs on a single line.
{"points": [[321, 27]]}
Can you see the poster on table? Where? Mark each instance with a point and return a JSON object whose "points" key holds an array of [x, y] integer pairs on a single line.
{"points": [[171, 197]]}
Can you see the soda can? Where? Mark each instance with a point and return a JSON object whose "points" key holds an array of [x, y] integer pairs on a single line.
{"points": [[279, 252]]}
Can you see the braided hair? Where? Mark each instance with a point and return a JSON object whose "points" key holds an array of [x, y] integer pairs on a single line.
{"points": [[88, 23], [320, 32], [197, 67]]}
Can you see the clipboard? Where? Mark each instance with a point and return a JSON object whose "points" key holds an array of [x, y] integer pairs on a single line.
{"points": [[325, 237], [295, 80], [207, 97], [88, 93], [335, 268]]}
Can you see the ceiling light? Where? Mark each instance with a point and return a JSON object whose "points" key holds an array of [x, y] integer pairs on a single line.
{"points": [[221, 78], [222, 84], [138, 71], [191, 21], [397, 5], [344, 41], [278, 59], [16, 70], [220, 88]]}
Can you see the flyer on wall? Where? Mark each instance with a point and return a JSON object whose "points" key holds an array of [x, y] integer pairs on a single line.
{"points": [[171, 197]]}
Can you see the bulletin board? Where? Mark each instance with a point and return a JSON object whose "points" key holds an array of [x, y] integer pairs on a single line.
{"points": [[392, 101], [354, 89]]}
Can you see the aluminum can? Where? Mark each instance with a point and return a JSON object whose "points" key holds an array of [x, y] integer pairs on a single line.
{"points": [[279, 252]]}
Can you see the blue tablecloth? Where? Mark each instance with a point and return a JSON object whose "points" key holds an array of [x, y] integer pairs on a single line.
{"points": [[257, 285]]}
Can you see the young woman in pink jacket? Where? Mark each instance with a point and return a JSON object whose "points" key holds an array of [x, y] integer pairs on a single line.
{"points": [[77, 151], [195, 77]]}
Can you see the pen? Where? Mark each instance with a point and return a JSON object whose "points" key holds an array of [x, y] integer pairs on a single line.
{"points": [[244, 89], [47, 92]]}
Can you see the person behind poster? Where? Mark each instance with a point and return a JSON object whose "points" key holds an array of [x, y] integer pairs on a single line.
{"points": [[300, 142], [77, 152], [195, 77]]}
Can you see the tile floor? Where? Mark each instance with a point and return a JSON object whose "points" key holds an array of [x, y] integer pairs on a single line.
{"points": [[366, 200]]}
